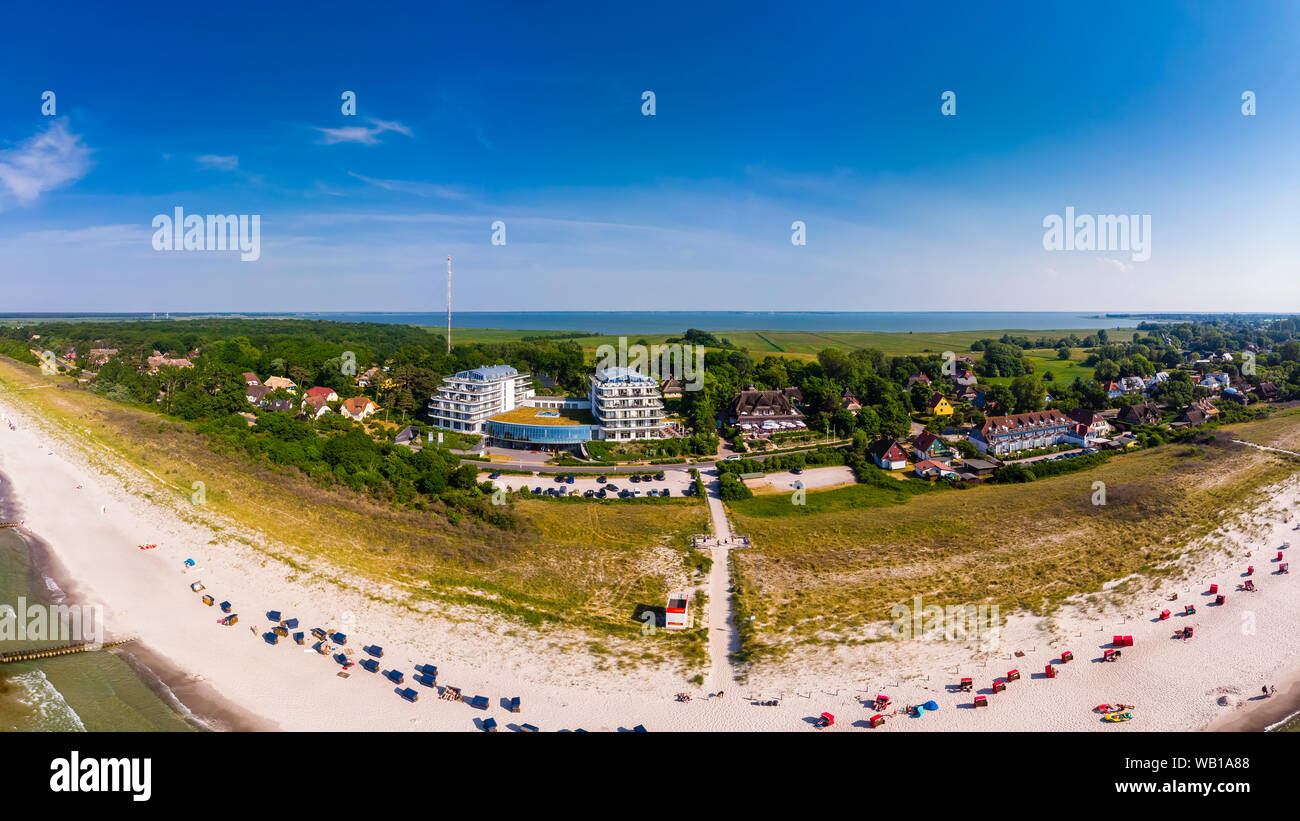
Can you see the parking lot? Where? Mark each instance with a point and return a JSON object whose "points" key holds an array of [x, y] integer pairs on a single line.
{"points": [[674, 481]]}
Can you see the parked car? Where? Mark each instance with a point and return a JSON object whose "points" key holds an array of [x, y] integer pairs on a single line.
{"points": [[496, 475], [659, 476], [635, 477], [601, 480], [570, 479]]}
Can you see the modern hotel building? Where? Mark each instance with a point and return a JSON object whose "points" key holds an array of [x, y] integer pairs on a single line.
{"points": [[626, 404], [467, 400]]}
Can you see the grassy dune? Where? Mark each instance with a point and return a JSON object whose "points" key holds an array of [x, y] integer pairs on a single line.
{"points": [[825, 571], [569, 562]]}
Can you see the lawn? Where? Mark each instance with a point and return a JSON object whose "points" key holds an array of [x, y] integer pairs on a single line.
{"points": [[828, 570]]}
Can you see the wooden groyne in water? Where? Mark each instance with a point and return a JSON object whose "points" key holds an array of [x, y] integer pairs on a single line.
{"points": [[50, 652]]}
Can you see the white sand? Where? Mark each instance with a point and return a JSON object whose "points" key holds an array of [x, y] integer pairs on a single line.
{"points": [[1174, 684]]}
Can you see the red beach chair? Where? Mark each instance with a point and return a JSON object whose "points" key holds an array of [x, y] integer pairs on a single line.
{"points": [[1189, 610], [1049, 671], [1220, 599], [1013, 675], [1164, 614], [967, 685], [880, 703], [1128, 641], [1118, 641], [1187, 632], [1250, 585], [1282, 568], [1214, 588], [1279, 556], [1067, 657], [981, 701], [1107, 655], [1250, 571], [877, 720], [824, 720], [999, 686]]}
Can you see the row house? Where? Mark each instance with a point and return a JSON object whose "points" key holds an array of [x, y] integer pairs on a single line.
{"points": [[1024, 431]]}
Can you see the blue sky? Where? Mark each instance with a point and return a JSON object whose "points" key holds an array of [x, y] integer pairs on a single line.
{"points": [[530, 113]]}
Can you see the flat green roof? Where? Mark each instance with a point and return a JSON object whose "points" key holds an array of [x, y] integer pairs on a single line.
{"points": [[548, 416]]}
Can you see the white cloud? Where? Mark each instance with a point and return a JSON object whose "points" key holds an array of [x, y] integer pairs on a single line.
{"points": [[1119, 264], [361, 134], [222, 163], [422, 189], [43, 162]]}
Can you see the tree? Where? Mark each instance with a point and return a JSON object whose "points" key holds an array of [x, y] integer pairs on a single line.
{"points": [[1106, 371], [1028, 393]]}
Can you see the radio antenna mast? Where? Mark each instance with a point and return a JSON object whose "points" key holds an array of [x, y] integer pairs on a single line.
{"points": [[449, 303]]}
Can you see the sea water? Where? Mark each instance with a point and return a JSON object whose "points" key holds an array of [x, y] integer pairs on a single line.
{"points": [[93, 691]]}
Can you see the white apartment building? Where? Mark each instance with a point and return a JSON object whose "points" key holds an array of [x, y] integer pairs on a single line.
{"points": [[466, 400], [626, 405]]}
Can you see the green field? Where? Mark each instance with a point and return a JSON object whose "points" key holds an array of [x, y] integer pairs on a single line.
{"points": [[806, 344]]}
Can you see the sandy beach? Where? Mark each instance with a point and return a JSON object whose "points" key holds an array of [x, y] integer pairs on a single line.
{"points": [[94, 510]]}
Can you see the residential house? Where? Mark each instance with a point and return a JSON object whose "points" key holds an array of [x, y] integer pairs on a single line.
{"points": [[358, 408], [1144, 413], [315, 407], [918, 377], [930, 469], [278, 383], [256, 393], [251, 380], [1132, 384], [1205, 406], [761, 413], [888, 454], [98, 356], [326, 394], [368, 377], [1235, 395], [939, 405], [1266, 390], [283, 405], [929, 446], [849, 402], [966, 377], [1216, 381], [1023, 431], [672, 389], [1112, 389], [159, 361], [1097, 426], [795, 396]]}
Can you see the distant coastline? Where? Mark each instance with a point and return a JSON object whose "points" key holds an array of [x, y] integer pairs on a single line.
{"points": [[594, 322]]}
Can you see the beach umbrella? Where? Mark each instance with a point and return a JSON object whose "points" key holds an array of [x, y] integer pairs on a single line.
{"points": [[930, 705]]}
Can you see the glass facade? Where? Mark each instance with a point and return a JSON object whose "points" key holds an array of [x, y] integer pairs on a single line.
{"points": [[513, 432]]}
